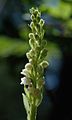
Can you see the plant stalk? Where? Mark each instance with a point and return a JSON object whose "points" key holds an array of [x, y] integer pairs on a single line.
{"points": [[32, 113]]}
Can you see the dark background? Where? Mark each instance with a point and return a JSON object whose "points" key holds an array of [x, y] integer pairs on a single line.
{"points": [[14, 30]]}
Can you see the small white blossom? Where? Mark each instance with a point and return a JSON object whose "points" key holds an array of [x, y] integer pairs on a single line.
{"points": [[23, 81], [24, 72]]}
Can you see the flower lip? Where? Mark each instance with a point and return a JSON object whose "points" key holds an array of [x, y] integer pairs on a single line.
{"points": [[24, 72], [23, 81]]}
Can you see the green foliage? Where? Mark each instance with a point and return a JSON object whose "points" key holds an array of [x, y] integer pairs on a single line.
{"points": [[69, 24], [61, 13], [26, 104], [62, 10], [9, 46]]}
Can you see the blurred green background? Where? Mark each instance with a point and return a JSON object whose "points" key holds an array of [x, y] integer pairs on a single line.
{"points": [[14, 30]]}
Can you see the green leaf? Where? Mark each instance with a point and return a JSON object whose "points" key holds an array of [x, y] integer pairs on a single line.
{"points": [[10, 46], [63, 10], [26, 103], [39, 99]]}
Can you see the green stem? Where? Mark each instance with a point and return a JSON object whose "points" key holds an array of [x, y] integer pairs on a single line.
{"points": [[33, 111]]}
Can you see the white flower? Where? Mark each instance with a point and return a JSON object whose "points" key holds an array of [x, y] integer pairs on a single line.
{"points": [[23, 81], [25, 72]]}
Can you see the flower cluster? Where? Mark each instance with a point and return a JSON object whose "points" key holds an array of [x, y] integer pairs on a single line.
{"points": [[33, 79]]}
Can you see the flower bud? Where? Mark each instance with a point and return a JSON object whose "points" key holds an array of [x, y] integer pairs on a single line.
{"points": [[36, 12], [32, 52], [38, 15], [32, 25], [31, 61], [31, 36], [32, 43], [28, 66], [28, 55], [44, 64], [41, 22], [25, 72], [32, 10], [32, 17], [40, 70]]}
